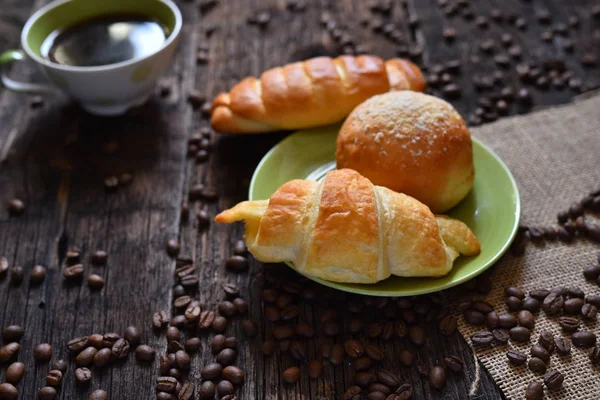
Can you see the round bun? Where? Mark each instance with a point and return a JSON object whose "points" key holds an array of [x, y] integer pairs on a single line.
{"points": [[411, 143]]}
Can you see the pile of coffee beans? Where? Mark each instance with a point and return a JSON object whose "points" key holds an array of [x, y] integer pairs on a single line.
{"points": [[569, 306], [574, 223], [74, 270]]}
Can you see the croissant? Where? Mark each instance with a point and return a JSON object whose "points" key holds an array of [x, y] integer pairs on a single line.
{"points": [[345, 229], [316, 92]]}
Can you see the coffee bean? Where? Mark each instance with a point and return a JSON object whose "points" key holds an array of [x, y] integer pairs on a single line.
{"points": [[132, 335], [224, 389], [417, 335], [12, 333], [183, 360], [315, 369], [227, 309], [86, 357], [233, 374], [164, 396], [37, 275], [437, 377], [514, 303], [8, 392], [337, 354], [589, 60], [592, 272], [554, 380], [60, 365], [42, 353], [379, 387], [593, 299], [173, 247], [145, 353], [211, 372], [474, 318], [454, 364], [562, 345], [250, 328], [537, 365], [525, 98], [206, 319], [16, 207], [237, 264], [207, 390], [15, 372], [362, 363], [546, 339], [553, 303], [451, 90], [448, 325], [364, 378], [492, 320], [46, 393], [16, 275], [166, 384], [354, 348], [54, 378], [531, 304], [526, 319], [516, 357], [160, 320], [226, 357], [595, 355], [501, 336], [573, 306], [520, 334], [568, 324], [351, 393], [589, 312], [534, 391], [388, 378], [283, 332], [507, 321], [98, 395], [540, 352], [102, 358], [95, 282], [291, 375], [304, 329], [482, 338], [583, 339], [83, 375], [9, 351]]}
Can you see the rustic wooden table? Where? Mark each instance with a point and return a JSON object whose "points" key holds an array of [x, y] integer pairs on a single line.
{"points": [[55, 158]]}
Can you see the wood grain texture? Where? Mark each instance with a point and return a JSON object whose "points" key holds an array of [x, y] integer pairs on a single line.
{"points": [[55, 159]]}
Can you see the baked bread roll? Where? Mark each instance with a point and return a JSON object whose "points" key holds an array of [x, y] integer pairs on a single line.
{"points": [[316, 92], [411, 143], [345, 229]]}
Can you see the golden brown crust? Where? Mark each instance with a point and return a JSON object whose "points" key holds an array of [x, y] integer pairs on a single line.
{"points": [[345, 229], [411, 143], [316, 92]]}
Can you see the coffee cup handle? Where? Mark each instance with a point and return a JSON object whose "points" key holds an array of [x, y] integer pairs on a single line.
{"points": [[16, 86]]}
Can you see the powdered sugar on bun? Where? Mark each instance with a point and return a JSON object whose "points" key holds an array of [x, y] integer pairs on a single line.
{"points": [[411, 143]]}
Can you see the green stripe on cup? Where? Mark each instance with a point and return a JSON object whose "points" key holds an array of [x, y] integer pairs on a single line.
{"points": [[74, 11]]}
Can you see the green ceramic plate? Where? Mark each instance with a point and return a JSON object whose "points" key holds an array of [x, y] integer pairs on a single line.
{"points": [[491, 209]]}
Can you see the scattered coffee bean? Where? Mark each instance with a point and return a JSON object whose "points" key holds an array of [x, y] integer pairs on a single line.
{"points": [[537, 365], [16, 207], [211, 372], [98, 395], [501, 336], [437, 377], [283, 332], [102, 358], [583, 339], [12, 333], [507, 321], [42, 352], [15, 372], [291, 375], [520, 334], [46, 393], [554, 380], [183, 360], [108, 339], [531, 304], [454, 364], [514, 303], [37, 275], [237, 264], [474, 318], [145, 353], [86, 357], [224, 389], [568, 324], [54, 378], [83, 375], [95, 282], [8, 392], [226, 357], [482, 338], [562, 345], [540, 352], [233, 374], [16, 275], [526, 319], [9, 351], [534, 391], [516, 357], [193, 344], [166, 384], [589, 312], [573, 305], [132, 335], [553, 303], [207, 390], [448, 325], [160, 320], [417, 335]]}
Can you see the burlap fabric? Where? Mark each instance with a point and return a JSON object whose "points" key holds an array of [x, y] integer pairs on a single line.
{"points": [[554, 155]]}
